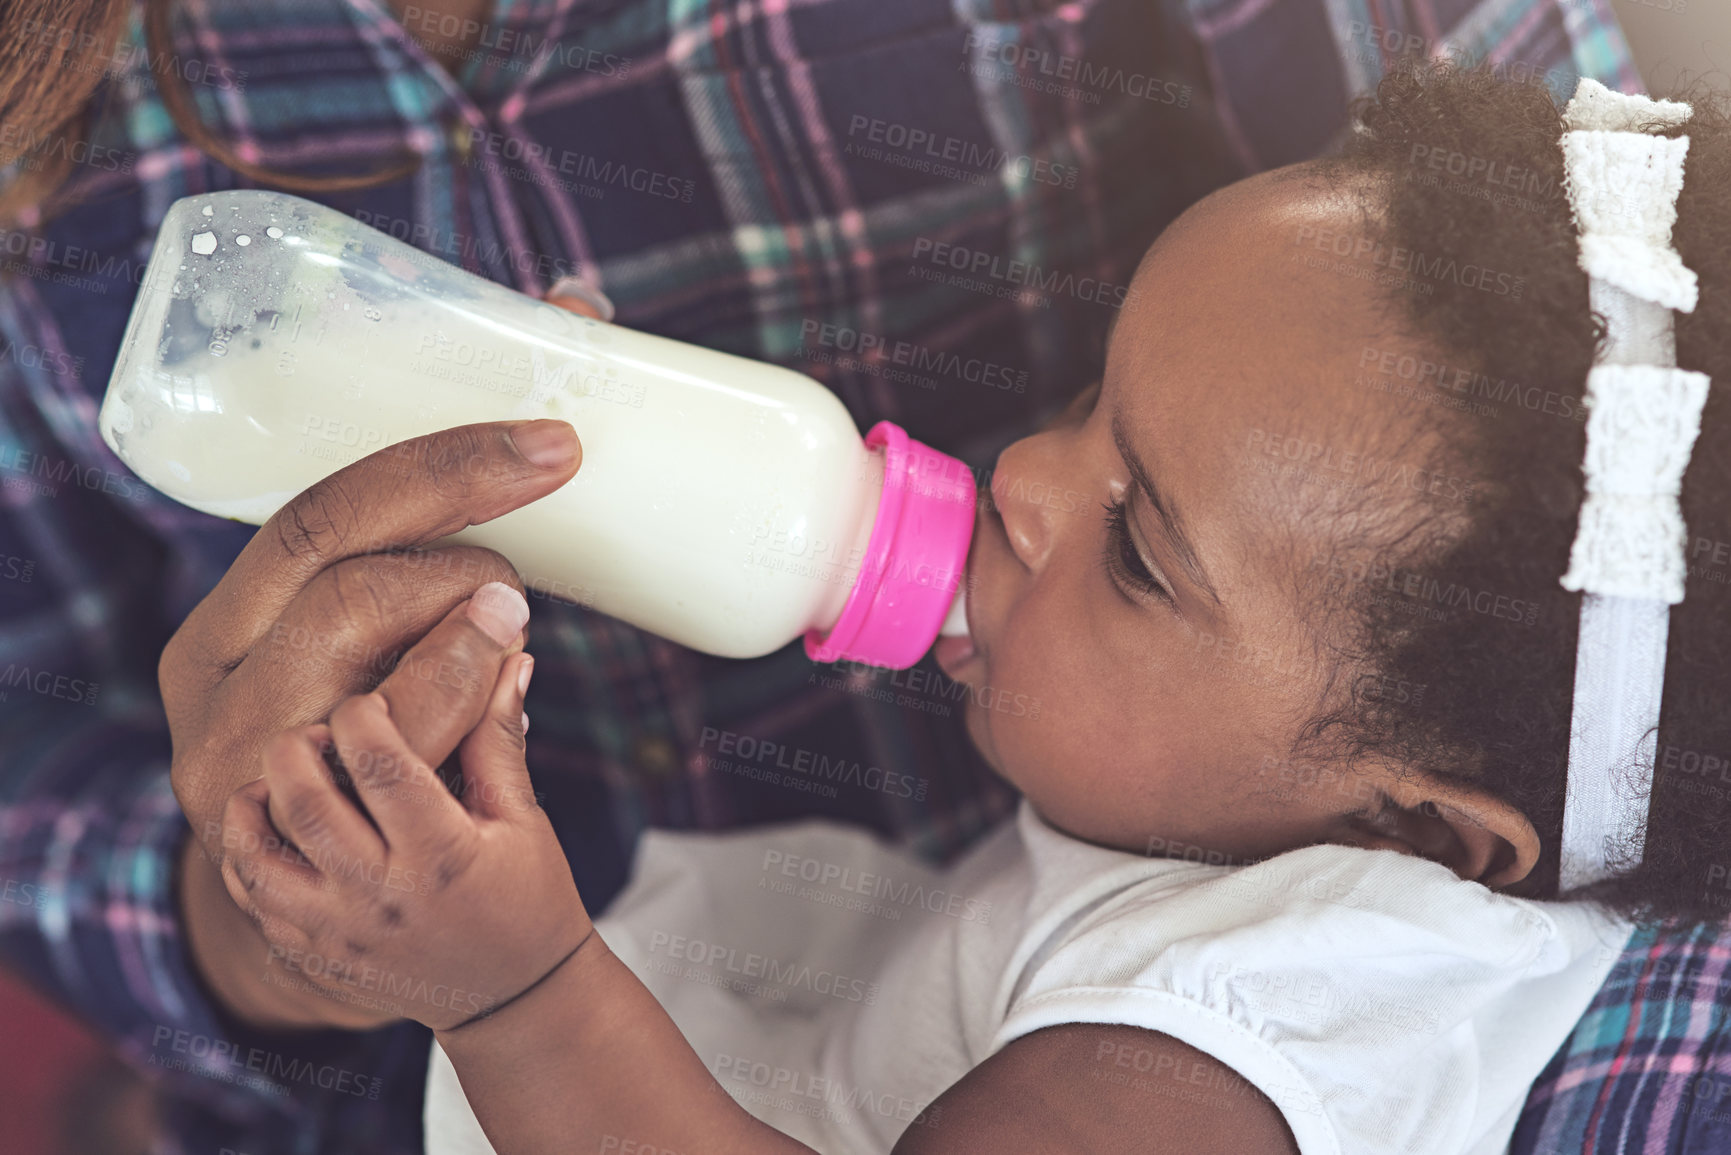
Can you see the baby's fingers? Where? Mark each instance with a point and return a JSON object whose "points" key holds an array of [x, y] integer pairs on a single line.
{"points": [[439, 690], [265, 875], [414, 812], [306, 807], [495, 775]]}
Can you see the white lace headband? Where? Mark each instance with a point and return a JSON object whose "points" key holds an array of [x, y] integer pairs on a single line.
{"points": [[1643, 416]]}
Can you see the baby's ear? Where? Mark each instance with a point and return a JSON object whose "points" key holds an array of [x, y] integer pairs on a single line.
{"points": [[1471, 831]]}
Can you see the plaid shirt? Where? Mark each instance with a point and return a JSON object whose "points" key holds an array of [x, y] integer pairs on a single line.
{"points": [[961, 186]]}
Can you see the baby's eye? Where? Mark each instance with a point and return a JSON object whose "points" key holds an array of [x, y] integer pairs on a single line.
{"points": [[1123, 560]]}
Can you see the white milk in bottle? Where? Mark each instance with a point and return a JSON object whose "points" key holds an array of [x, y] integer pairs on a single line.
{"points": [[723, 503]]}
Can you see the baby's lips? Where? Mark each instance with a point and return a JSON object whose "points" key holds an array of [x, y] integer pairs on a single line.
{"points": [[952, 652], [500, 611]]}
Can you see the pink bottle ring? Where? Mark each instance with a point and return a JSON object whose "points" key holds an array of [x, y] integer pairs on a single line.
{"points": [[915, 559]]}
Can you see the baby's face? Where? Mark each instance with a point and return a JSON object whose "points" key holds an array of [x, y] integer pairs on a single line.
{"points": [[1142, 678]]}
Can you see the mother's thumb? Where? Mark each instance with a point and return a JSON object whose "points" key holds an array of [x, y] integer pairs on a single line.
{"points": [[495, 772]]}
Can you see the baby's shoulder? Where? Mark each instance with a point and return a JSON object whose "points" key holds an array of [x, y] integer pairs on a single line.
{"points": [[1094, 1088]]}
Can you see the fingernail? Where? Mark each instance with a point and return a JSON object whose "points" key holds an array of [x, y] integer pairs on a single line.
{"points": [[577, 289], [499, 610], [549, 443], [525, 721], [523, 672]]}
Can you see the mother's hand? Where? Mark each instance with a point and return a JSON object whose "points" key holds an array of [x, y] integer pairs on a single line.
{"points": [[316, 608]]}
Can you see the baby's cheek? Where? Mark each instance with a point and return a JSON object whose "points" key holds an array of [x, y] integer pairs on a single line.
{"points": [[1042, 725]]}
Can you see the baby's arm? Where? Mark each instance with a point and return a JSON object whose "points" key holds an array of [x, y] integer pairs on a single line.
{"points": [[462, 914], [589, 1061], [1096, 1089]]}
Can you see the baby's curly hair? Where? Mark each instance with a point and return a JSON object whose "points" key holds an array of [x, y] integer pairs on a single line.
{"points": [[1469, 166]]}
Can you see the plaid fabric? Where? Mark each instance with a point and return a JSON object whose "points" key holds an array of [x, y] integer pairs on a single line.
{"points": [[1648, 1071], [770, 179]]}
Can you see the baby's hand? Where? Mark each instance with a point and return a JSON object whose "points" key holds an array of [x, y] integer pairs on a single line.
{"points": [[436, 909]]}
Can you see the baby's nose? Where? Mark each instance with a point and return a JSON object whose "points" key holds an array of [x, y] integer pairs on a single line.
{"points": [[1029, 493]]}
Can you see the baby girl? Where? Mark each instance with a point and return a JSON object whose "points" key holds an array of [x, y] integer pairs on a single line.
{"points": [[1286, 874]]}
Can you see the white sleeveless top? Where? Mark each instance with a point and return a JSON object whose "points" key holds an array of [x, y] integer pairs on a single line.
{"points": [[835, 985]]}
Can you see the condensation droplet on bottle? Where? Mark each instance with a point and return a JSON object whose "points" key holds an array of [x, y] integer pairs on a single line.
{"points": [[204, 243], [243, 240], [273, 233]]}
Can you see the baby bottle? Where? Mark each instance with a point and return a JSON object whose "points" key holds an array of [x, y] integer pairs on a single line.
{"points": [[723, 503]]}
